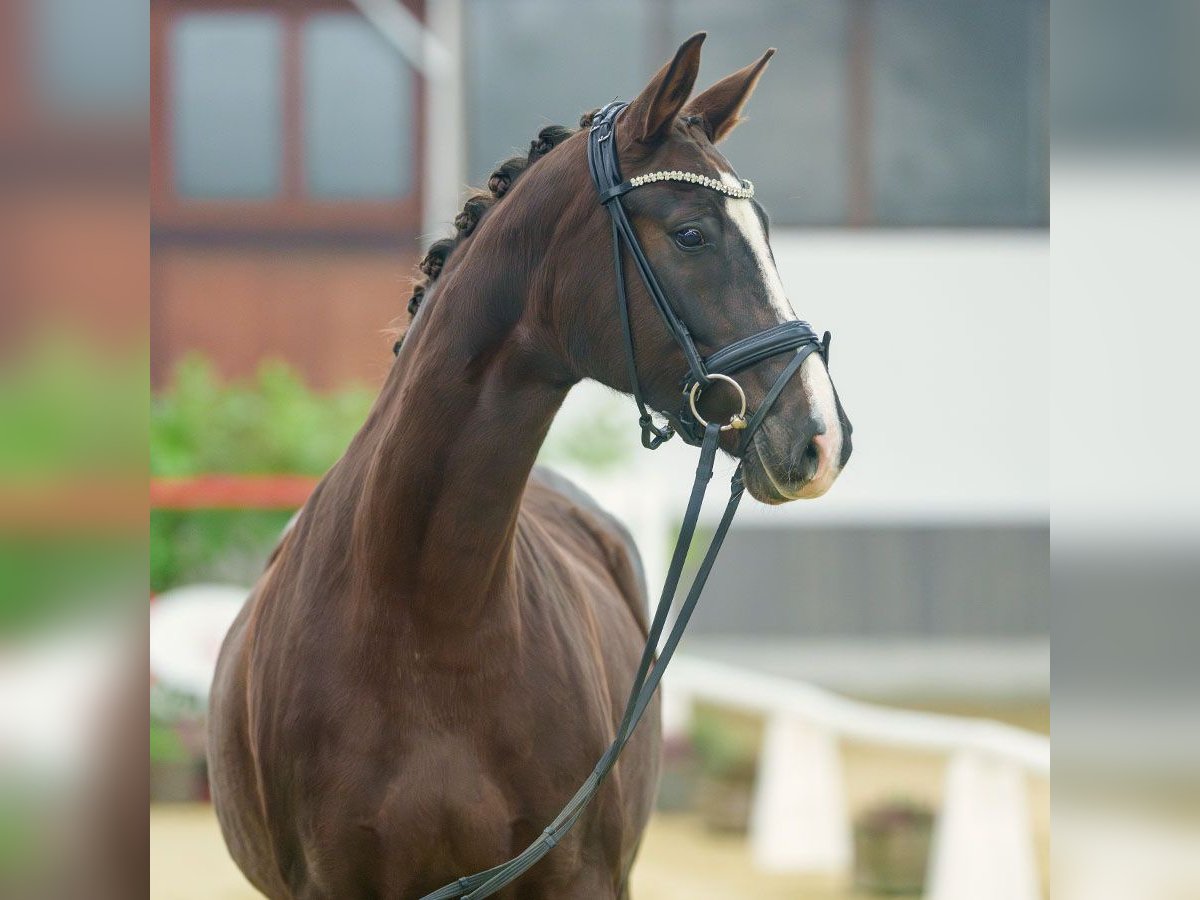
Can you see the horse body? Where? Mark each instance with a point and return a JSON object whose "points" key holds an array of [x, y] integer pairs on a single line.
{"points": [[432, 754], [441, 646]]}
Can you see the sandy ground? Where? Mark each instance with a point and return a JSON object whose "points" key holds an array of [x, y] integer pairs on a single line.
{"points": [[680, 858]]}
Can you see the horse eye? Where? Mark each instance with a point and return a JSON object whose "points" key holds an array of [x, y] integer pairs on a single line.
{"points": [[689, 237]]}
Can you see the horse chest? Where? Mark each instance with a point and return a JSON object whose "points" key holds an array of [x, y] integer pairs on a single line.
{"points": [[468, 791]]}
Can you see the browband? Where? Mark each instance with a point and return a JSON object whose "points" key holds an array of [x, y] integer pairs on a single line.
{"points": [[744, 192]]}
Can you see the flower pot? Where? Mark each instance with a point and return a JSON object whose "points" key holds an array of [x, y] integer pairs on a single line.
{"points": [[891, 850], [176, 781]]}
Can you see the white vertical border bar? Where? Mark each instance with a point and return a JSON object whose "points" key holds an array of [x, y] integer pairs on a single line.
{"points": [[445, 117]]}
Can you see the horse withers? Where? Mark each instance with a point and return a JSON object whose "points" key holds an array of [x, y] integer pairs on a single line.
{"points": [[440, 647]]}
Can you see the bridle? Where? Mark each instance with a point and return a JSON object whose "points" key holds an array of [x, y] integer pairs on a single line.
{"points": [[796, 337]]}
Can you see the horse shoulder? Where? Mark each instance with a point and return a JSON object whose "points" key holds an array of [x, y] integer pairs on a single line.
{"points": [[234, 775], [613, 541]]}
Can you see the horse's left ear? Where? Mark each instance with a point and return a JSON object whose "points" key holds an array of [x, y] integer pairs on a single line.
{"points": [[721, 105], [655, 108]]}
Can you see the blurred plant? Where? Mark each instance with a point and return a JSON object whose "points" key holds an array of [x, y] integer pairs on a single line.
{"points": [[272, 423], [177, 766], [897, 813], [72, 480], [678, 776], [54, 578], [599, 440], [727, 746], [67, 410], [891, 847], [165, 744]]}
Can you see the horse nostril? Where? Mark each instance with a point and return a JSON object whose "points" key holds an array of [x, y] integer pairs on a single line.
{"points": [[810, 461]]}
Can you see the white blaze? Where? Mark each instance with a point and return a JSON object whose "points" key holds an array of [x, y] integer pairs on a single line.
{"points": [[742, 214], [818, 389]]}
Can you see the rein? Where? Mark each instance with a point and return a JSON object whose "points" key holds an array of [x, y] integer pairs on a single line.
{"points": [[796, 337]]}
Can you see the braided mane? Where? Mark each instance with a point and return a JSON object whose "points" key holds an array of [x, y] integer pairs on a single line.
{"points": [[478, 203]]}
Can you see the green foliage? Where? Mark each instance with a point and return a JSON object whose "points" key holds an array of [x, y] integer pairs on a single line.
{"points": [[46, 579], [73, 420], [219, 545], [165, 744], [270, 424], [725, 742], [67, 410], [898, 813], [598, 441]]}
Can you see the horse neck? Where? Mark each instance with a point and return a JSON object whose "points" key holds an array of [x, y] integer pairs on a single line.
{"points": [[447, 451]]}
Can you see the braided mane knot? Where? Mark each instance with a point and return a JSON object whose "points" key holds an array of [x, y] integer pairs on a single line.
{"points": [[478, 203]]}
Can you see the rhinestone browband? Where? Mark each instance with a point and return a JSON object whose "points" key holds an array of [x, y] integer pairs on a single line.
{"points": [[745, 192]]}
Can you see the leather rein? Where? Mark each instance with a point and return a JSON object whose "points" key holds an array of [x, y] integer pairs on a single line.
{"points": [[796, 337]]}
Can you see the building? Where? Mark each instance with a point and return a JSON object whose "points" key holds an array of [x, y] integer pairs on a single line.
{"points": [[288, 153], [300, 148]]}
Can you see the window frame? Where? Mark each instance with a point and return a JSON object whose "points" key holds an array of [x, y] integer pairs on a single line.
{"points": [[294, 210]]}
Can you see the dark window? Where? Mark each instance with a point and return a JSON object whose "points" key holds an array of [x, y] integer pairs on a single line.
{"points": [[92, 58], [958, 91], [285, 116], [358, 113], [227, 104], [533, 63], [793, 146]]}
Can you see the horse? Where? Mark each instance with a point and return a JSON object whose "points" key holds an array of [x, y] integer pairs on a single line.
{"points": [[438, 649]]}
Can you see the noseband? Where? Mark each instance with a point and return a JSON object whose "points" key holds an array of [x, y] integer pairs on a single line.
{"points": [[796, 337]]}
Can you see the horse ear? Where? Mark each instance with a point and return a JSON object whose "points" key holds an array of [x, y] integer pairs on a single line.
{"points": [[721, 105], [655, 108]]}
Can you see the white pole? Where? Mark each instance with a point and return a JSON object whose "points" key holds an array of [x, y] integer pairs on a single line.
{"points": [[445, 119], [983, 841], [678, 707], [799, 820]]}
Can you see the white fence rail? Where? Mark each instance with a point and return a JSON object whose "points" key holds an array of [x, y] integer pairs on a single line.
{"points": [[983, 844]]}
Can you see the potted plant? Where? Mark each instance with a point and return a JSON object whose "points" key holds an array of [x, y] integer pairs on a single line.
{"points": [[728, 757], [680, 772], [891, 847], [176, 775]]}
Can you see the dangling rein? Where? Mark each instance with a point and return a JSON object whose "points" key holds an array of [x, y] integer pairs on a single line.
{"points": [[795, 337]]}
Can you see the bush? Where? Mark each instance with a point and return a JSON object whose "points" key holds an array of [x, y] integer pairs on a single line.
{"points": [[891, 847], [270, 424], [72, 467]]}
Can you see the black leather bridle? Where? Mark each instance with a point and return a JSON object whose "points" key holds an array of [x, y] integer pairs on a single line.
{"points": [[796, 337]]}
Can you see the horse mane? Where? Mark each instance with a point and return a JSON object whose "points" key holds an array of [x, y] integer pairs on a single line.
{"points": [[478, 203]]}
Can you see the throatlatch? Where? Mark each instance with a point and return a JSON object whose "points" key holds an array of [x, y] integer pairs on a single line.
{"points": [[796, 337]]}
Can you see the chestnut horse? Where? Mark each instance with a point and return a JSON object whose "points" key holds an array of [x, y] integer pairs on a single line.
{"points": [[441, 645]]}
